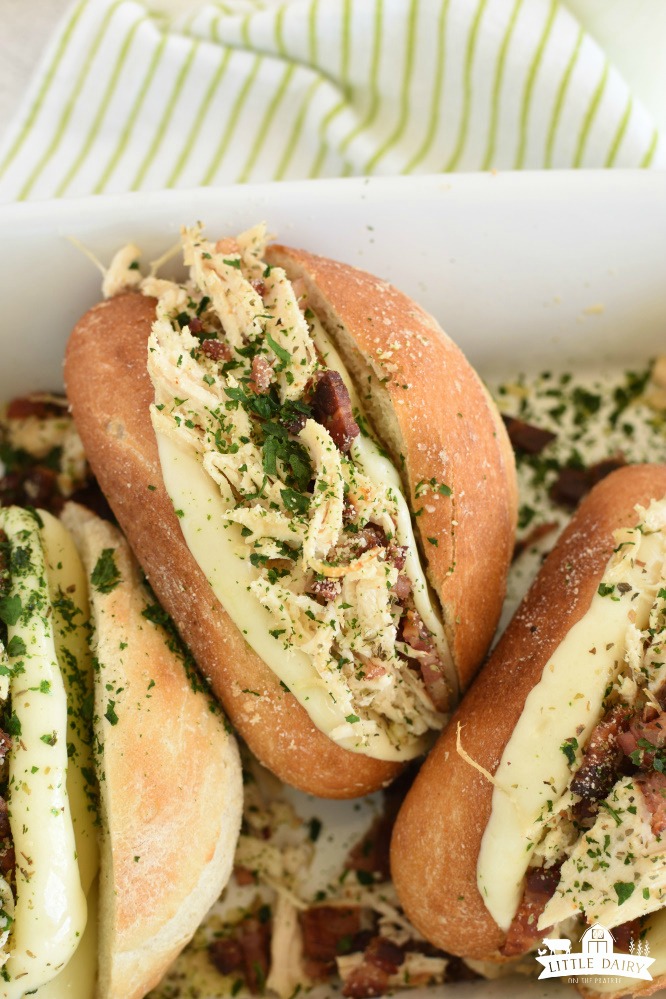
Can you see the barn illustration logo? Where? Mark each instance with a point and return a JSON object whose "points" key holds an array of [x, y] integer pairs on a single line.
{"points": [[596, 959]]}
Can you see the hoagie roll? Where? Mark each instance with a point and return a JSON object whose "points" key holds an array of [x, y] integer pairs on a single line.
{"points": [[308, 471], [542, 808], [102, 881]]}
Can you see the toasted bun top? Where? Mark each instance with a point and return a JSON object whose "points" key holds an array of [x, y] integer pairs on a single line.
{"points": [[433, 414], [110, 392], [170, 779], [444, 816]]}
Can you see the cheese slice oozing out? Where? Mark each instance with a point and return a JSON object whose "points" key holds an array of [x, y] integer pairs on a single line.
{"points": [[50, 806], [534, 771]]}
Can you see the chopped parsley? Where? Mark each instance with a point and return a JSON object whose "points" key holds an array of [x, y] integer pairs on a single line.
{"points": [[106, 575]]}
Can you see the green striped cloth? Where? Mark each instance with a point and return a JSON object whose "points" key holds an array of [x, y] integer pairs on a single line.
{"points": [[254, 90]]}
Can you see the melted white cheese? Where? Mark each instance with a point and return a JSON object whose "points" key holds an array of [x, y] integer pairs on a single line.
{"points": [[620, 853], [565, 703], [50, 912]]}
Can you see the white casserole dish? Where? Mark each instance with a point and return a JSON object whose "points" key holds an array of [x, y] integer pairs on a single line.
{"points": [[524, 271]]}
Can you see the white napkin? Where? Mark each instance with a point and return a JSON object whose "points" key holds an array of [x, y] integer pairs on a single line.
{"points": [[249, 90]]}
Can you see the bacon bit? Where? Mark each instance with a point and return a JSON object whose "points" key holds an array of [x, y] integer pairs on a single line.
{"points": [[366, 981], [372, 853], [370, 536], [397, 554], [372, 668], [226, 955], [653, 731], [248, 950], [217, 350], [574, 483], [385, 954], [525, 437], [653, 788], [540, 885], [25, 406], [36, 486], [5, 829], [244, 876], [195, 325], [259, 286], [261, 375], [598, 771], [538, 532], [327, 931], [348, 512], [625, 933], [416, 635], [402, 587], [325, 590], [436, 685], [331, 406]]}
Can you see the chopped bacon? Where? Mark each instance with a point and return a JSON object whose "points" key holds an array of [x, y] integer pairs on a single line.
{"points": [[244, 876], [540, 885], [385, 954], [217, 350], [327, 931], [195, 325], [381, 959], [525, 437], [625, 933], [248, 950], [33, 486], [5, 829], [436, 685], [402, 587], [370, 536], [603, 753], [261, 375], [416, 635], [365, 981], [331, 406], [653, 788], [325, 590], [397, 554], [372, 853], [226, 955], [643, 736], [574, 483], [24, 406], [259, 286]]}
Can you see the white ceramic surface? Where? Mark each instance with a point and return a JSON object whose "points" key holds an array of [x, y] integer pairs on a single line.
{"points": [[524, 271]]}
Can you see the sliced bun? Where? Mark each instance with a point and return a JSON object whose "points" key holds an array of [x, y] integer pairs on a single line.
{"points": [[443, 819], [430, 410], [108, 348], [170, 778]]}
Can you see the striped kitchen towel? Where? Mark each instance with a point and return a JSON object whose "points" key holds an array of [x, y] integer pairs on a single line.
{"points": [[254, 90]]}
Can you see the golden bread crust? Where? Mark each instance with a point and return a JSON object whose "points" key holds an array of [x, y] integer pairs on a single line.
{"points": [[432, 411], [170, 780], [110, 393], [443, 819]]}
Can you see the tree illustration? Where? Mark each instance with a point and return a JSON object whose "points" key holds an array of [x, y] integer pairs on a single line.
{"points": [[639, 949], [646, 948], [631, 946]]}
